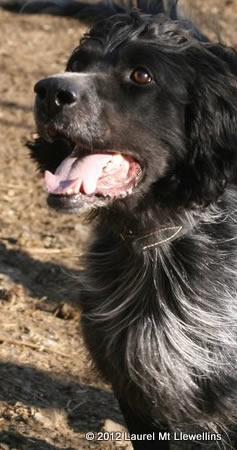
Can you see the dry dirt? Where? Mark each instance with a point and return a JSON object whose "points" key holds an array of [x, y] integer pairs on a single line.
{"points": [[49, 395]]}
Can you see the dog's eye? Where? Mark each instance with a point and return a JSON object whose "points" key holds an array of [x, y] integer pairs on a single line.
{"points": [[141, 76]]}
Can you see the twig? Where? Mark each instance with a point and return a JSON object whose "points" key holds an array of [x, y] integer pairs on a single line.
{"points": [[51, 250], [40, 348]]}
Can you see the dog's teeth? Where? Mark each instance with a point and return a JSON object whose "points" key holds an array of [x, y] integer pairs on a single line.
{"points": [[117, 160], [114, 163], [76, 188]]}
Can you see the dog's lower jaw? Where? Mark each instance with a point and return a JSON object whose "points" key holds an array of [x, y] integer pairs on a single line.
{"points": [[159, 325]]}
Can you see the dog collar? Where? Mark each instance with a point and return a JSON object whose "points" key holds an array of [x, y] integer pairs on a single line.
{"points": [[153, 239]]}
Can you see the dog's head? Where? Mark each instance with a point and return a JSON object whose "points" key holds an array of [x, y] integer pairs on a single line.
{"points": [[144, 110]]}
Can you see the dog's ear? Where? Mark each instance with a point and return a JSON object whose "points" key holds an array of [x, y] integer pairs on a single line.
{"points": [[211, 130], [226, 54]]}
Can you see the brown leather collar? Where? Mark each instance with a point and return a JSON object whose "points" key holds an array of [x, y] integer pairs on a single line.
{"points": [[154, 238]]}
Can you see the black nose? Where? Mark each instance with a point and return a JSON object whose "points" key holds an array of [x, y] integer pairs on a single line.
{"points": [[56, 93]]}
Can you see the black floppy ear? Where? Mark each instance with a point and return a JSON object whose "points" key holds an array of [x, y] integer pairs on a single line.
{"points": [[211, 130], [226, 54]]}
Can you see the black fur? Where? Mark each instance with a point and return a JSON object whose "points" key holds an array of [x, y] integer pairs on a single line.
{"points": [[89, 11], [160, 323]]}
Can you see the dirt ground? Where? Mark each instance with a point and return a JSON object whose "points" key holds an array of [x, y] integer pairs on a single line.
{"points": [[49, 395]]}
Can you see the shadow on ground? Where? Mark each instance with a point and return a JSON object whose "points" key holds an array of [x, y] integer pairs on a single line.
{"points": [[33, 387], [27, 442], [53, 282]]}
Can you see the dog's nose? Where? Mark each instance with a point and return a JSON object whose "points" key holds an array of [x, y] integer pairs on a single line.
{"points": [[55, 94]]}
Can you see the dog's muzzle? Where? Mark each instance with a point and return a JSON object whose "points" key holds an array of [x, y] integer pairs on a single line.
{"points": [[68, 104]]}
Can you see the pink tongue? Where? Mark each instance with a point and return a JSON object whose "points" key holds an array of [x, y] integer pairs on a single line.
{"points": [[72, 171]]}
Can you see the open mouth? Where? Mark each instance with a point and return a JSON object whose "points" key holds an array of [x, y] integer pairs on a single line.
{"points": [[92, 180]]}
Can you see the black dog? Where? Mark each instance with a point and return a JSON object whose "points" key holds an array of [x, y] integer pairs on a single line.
{"points": [[141, 130]]}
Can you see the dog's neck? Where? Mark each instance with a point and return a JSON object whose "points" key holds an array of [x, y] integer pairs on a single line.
{"points": [[145, 233], [177, 303]]}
